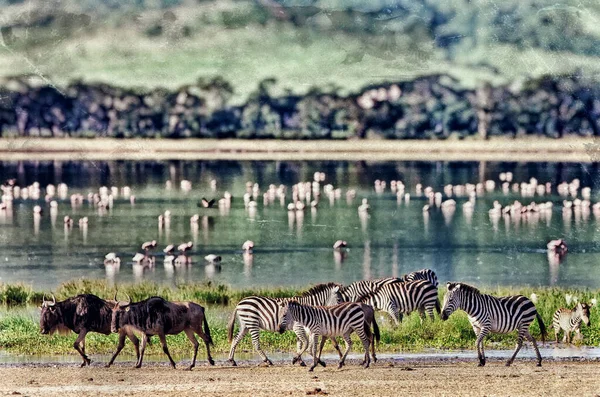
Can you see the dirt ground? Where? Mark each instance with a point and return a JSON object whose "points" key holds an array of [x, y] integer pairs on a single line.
{"points": [[387, 378]]}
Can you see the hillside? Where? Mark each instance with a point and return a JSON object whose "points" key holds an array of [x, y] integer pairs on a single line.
{"points": [[335, 44]]}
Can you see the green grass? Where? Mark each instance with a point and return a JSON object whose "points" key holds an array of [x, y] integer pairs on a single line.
{"points": [[19, 330]]}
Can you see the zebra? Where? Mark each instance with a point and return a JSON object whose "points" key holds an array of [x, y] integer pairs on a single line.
{"points": [[570, 320], [259, 312], [494, 314], [354, 291], [423, 274], [304, 339], [333, 321], [403, 298]]}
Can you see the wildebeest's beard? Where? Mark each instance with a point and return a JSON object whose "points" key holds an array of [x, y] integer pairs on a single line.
{"points": [[51, 321]]}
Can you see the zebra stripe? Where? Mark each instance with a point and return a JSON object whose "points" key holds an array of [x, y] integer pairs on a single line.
{"points": [[258, 312], [333, 321], [494, 314], [570, 320], [423, 274], [404, 298]]}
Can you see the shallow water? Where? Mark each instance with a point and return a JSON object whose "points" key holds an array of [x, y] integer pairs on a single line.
{"points": [[294, 248], [527, 352]]}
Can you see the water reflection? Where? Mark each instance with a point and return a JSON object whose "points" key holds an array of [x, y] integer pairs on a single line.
{"points": [[396, 216]]}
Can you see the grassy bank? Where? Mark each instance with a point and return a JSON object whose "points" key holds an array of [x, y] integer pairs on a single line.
{"points": [[496, 149], [19, 329]]}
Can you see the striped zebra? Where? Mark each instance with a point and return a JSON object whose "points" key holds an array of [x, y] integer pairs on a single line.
{"points": [[423, 274], [258, 312], [494, 314], [404, 298], [354, 291], [570, 320], [333, 321], [304, 339]]}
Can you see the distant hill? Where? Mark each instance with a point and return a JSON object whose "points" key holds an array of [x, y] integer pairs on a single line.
{"points": [[339, 45]]}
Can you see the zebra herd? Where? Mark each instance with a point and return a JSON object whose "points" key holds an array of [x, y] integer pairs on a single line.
{"points": [[328, 311]]}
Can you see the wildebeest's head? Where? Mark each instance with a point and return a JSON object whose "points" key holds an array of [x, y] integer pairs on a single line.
{"points": [[120, 314], [51, 319]]}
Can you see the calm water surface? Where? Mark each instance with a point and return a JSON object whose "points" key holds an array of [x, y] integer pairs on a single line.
{"points": [[294, 248]]}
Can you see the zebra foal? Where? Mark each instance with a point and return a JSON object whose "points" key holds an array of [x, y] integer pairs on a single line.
{"points": [[570, 320], [325, 322], [494, 314], [259, 312]]}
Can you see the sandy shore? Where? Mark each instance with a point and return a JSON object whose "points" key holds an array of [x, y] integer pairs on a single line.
{"points": [[502, 149], [387, 378]]}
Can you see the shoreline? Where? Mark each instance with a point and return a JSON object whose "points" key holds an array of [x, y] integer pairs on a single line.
{"points": [[583, 150]]}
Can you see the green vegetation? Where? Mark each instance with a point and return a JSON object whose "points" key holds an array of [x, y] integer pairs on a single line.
{"points": [[19, 330]]}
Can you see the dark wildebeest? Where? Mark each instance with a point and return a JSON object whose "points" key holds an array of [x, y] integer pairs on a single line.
{"points": [[156, 316], [81, 314]]}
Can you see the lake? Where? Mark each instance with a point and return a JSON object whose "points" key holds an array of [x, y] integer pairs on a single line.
{"points": [[295, 247]]}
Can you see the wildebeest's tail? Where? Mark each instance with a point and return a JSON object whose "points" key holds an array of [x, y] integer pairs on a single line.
{"points": [[207, 331], [542, 327], [376, 330], [230, 326]]}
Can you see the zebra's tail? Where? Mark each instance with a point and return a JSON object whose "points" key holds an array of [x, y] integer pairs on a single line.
{"points": [[542, 327], [376, 330], [230, 326]]}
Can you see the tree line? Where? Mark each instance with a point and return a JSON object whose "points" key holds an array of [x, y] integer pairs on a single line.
{"points": [[430, 107]]}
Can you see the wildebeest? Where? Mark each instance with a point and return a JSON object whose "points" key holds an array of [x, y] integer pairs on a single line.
{"points": [[81, 314], [156, 316]]}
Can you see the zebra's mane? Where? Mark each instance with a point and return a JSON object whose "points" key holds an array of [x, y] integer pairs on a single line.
{"points": [[320, 288], [464, 287]]}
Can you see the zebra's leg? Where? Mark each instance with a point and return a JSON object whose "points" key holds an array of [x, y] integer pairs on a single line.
{"points": [[522, 332], [430, 309], [479, 343], [315, 340], [366, 337], [556, 331], [255, 335], [241, 333], [348, 342], [301, 344], [336, 345], [535, 347], [321, 362]]}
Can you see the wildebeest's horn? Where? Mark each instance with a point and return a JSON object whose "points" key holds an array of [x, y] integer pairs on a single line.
{"points": [[128, 299], [115, 299], [53, 301]]}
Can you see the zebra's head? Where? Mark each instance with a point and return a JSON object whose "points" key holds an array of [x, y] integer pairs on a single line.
{"points": [[285, 321], [451, 300], [583, 309]]}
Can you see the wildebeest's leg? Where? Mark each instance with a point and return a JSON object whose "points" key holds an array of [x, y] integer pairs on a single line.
{"points": [[136, 344], [207, 341], [348, 346], [163, 342], [142, 350], [241, 333], [120, 346], [81, 351], [255, 335], [192, 338]]}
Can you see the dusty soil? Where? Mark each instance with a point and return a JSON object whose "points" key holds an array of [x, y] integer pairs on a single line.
{"points": [[387, 378]]}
